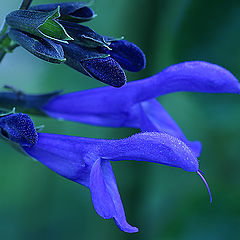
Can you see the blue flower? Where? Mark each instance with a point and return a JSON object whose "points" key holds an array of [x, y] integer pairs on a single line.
{"points": [[133, 105], [87, 161], [52, 32]]}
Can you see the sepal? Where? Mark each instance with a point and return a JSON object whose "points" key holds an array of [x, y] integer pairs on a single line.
{"points": [[26, 102], [18, 128], [70, 11], [94, 64], [43, 48], [85, 36], [41, 24]]}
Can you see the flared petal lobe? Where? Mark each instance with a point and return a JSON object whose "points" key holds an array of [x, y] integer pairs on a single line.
{"points": [[105, 196], [157, 147], [78, 160]]}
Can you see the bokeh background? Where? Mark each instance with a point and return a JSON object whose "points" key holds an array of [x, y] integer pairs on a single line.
{"points": [[165, 203]]}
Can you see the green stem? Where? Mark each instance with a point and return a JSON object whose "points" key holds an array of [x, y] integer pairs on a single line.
{"points": [[2, 54], [4, 29], [25, 4], [3, 35]]}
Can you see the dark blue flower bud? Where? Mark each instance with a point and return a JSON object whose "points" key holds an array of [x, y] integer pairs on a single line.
{"points": [[128, 55], [41, 24], [18, 128], [94, 64], [106, 70], [70, 11], [43, 48]]}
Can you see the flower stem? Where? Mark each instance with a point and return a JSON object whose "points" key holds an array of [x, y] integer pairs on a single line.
{"points": [[2, 54], [4, 29], [25, 4], [5, 45]]}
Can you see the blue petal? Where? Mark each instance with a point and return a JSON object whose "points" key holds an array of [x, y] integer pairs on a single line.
{"points": [[105, 196], [195, 76], [155, 118], [65, 155], [157, 147]]}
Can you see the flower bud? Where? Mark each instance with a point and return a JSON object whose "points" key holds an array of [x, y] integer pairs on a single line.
{"points": [[43, 48], [19, 128], [41, 24], [94, 64], [128, 55], [70, 11], [85, 36]]}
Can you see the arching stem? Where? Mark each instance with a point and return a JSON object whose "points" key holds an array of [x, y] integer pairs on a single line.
{"points": [[205, 182]]}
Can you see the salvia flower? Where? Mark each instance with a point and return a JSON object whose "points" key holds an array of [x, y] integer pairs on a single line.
{"points": [[52, 32], [133, 105], [87, 161]]}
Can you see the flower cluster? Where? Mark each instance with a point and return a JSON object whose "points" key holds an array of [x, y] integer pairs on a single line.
{"points": [[53, 33]]}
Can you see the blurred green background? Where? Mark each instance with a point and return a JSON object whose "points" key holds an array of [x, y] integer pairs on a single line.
{"points": [[165, 203]]}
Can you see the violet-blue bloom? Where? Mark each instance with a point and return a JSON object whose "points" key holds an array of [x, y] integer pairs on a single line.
{"points": [[134, 105], [87, 161]]}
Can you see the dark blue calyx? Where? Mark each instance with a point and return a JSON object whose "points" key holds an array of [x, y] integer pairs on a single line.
{"points": [[106, 70], [41, 24], [43, 48], [84, 35], [128, 55], [28, 103], [95, 64], [18, 128], [70, 11]]}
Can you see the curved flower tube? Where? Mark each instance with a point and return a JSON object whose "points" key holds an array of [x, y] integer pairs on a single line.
{"points": [[87, 161]]}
